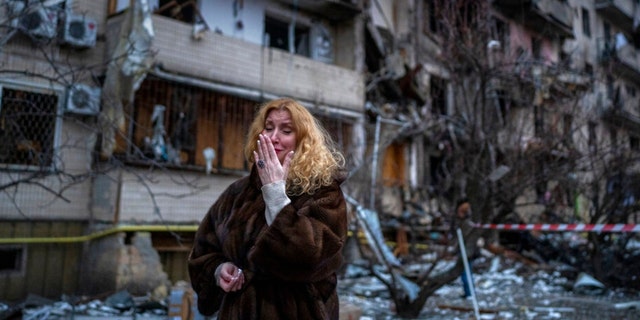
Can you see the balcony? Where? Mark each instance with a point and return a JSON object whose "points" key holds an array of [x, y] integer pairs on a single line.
{"points": [[552, 18], [621, 60], [232, 62], [620, 13]]}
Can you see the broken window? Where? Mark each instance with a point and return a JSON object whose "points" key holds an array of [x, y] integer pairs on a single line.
{"points": [[27, 127], [313, 41], [277, 36], [183, 10]]}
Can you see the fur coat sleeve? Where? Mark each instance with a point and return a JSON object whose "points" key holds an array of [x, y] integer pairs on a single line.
{"points": [[295, 258]]}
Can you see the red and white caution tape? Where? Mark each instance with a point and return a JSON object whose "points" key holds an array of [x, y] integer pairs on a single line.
{"points": [[578, 227]]}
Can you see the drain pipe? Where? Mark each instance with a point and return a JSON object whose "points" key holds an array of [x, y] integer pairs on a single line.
{"points": [[100, 234]]}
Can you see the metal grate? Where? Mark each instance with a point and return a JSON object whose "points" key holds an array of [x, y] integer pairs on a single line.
{"points": [[27, 128]]}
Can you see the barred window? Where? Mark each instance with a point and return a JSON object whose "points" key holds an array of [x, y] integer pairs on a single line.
{"points": [[27, 127]]}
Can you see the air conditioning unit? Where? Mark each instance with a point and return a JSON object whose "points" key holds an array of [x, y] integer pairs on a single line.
{"points": [[83, 99], [79, 31], [38, 20]]}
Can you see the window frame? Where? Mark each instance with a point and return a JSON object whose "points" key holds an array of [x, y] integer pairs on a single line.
{"points": [[46, 90]]}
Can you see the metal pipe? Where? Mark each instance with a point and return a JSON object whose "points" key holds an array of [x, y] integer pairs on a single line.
{"points": [[374, 165], [467, 271], [100, 234]]}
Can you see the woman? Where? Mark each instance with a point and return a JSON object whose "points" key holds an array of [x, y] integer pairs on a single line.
{"points": [[270, 246]]}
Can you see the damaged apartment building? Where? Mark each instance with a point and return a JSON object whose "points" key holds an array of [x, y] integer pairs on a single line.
{"points": [[122, 121]]}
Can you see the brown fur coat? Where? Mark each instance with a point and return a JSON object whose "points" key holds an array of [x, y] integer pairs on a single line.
{"points": [[289, 266]]}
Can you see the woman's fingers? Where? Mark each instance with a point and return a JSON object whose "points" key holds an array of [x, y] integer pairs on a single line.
{"points": [[231, 277]]}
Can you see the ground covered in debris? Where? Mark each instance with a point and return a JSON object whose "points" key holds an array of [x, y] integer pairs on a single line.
{"points": [[504, 290]]}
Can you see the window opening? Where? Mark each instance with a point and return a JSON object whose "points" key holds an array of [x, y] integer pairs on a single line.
{"points": [[634, 143], [586, 23], [183, 10], [593, 146], [27, 127], [11, 259], [188, 120], [277, 32], [567, 130], [438, 96]]}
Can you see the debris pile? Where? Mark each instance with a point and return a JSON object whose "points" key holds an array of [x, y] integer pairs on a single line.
{"points": [[505, 289]]}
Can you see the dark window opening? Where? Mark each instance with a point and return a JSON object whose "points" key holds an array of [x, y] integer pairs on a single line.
{"points": [[613, 135], [536, 49], [634, 143], [277, 33], [567, 130], [183, 10], [610, 87], [607, 32], [588, 68], [501, 33], [586, 23], [503, 105], [27, 127], [593, 145], [11, 259], [433, 23], [438, 96], [538, 114]]}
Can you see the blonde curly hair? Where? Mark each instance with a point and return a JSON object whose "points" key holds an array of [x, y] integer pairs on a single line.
{"points": [[316, 159]]}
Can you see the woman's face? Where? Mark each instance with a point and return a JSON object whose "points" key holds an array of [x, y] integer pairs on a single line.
{"points": [[278, 127]]}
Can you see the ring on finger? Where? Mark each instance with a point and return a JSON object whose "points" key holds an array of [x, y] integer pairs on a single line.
{"points": [[260, 164]]}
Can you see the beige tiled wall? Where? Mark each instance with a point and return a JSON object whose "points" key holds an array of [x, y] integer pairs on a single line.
{"points": [[235, 62]]}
